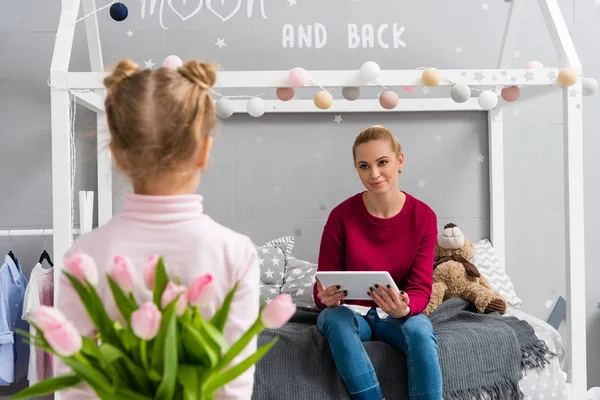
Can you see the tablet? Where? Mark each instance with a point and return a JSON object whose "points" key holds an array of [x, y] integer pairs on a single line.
{"points": [[357, 283]]}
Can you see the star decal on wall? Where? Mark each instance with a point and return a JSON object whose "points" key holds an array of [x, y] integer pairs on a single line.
{"points": [[458, 49], [517, 54], [528, 76], [338, 119], [478, 76], [221, 43], [425, 90], [322, 207], [292, 2], [504, 73], [297, 232], [573, 92], [463, 74], [485, 6], [480, 158], [578, 106], [149, 64], [551, 74], [438, 138], [130, 33], [422, 183]]}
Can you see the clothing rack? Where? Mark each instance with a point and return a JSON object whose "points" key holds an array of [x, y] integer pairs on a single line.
{"points": [[31, 232]]}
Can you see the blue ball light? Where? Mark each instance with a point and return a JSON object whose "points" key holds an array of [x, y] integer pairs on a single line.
{"points": [[118, 12]]}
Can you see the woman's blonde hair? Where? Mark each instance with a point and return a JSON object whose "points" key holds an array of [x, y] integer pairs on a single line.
{"points": [[158, 118], [376, 132]]}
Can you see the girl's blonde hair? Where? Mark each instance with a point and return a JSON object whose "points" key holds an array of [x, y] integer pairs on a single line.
{"points": [[376, 132], [158, 118]]}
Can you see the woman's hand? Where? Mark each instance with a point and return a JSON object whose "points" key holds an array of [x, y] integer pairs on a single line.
{"points": [[328, 296], [392, 303]]}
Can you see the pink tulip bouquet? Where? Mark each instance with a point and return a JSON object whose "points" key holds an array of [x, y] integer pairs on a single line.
{"points": [[166, 349]]}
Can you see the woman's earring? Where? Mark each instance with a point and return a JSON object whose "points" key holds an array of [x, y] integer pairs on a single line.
{"points": [[399, 171]]}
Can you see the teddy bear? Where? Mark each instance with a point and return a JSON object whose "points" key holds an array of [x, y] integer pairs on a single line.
{"points": [[455, 276]]}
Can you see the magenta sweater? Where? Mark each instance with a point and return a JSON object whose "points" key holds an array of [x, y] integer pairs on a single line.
{"points": [[404, 245]]}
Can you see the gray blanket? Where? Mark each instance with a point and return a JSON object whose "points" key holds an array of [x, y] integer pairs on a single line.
{"points": [[481, 356]]}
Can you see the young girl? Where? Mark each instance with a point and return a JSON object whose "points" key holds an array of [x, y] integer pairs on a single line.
{"points": [[160, 123], [381, 229]]}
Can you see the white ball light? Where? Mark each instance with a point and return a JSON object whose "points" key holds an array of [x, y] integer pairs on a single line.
{"points": [[487, 100], [370, 71], [256, 107], [224, 108], [589, 86], [460, 93]]}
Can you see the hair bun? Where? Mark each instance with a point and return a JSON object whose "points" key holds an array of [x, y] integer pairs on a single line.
{"points": [[201, 74], [123, 70]]}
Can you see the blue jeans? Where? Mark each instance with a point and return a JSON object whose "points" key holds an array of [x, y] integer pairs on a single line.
{"points": [[346, 330]]}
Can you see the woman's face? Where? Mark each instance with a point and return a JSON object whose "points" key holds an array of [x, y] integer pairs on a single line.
{"points": [[378, 165]]}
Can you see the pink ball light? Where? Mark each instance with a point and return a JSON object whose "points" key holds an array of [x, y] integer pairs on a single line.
{"points": [[285, 93], [172, 62], [388, 99], [511, 93], [534, 65], [298, 77]]}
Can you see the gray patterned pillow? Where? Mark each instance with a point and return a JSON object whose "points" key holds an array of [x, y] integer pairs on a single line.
{"points": [[299, 281], [487, 262], [268, 293], [272, 257]]}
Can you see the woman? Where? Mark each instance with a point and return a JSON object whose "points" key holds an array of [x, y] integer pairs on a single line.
{"points": [[381, 229]]}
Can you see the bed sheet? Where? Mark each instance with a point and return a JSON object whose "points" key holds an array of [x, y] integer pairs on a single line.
{"points": [[550, 382]]}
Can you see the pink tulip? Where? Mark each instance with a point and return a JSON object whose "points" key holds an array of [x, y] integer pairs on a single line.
{"points": [[123, 273], [201, 291], [48, 318], [170, 293], [150, 271], [279, 312], [145, 321], [81, 266], [65, 340]]}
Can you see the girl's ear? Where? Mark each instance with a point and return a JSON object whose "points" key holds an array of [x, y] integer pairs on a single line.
{"points": [[204, 152], [116, 156]]}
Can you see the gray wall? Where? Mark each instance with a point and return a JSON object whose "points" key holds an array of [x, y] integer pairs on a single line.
{"points": [[282, 174]]}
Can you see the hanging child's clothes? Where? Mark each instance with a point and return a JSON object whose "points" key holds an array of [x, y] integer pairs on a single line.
{"points": [[40, 291], [14, 351]]}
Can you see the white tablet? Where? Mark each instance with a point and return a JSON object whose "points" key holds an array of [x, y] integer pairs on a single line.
{"points": [[357, 283]]}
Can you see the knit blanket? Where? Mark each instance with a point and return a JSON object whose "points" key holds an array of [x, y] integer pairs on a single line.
{"points": [[482, 356]]}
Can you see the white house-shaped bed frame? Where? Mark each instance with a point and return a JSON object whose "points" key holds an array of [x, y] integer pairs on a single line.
{"points": [[87, 88]]}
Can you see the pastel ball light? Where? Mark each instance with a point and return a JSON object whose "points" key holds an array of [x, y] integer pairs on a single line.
{"points": [[534, 65], [172, 62], [351, 93], [431, 77], [567, 77], [118, 12], [409, 89], [224, 108], [370, 71], [487, 100], [460, 93], [285, 93], [388, 99], [323, 99], [256, 107], [589, 86], [298, 77], [511, 93]]}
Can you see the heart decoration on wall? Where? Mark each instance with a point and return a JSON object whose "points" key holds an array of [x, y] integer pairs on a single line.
{"points": [[209, 6], [193, 13]]}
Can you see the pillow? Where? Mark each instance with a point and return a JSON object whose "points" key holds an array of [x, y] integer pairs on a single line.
{"points": [[272, 257], [299, 281], [268, 293], [487, 262]]}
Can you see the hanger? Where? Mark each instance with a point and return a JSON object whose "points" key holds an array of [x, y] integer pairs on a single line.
{"points": [[10, 253], [45, 255]]}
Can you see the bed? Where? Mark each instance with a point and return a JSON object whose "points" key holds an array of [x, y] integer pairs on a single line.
{"points": [[278, 375]]}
